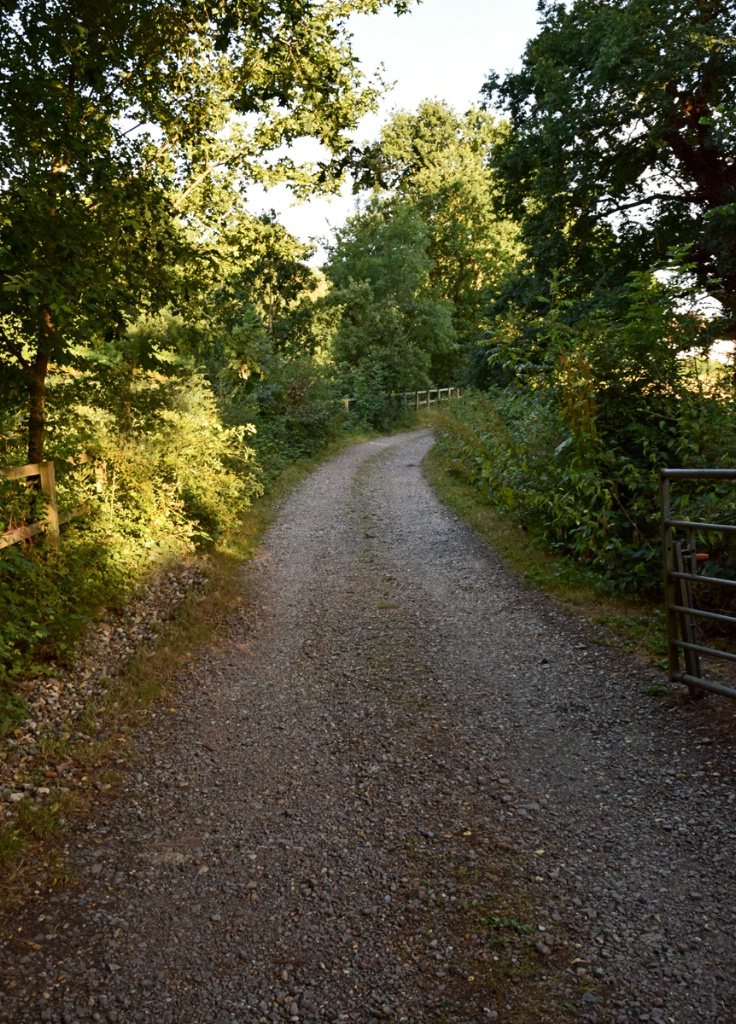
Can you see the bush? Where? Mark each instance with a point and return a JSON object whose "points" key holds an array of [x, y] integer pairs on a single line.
{"points": [[176, 477], [587, 486], [296, 410]]}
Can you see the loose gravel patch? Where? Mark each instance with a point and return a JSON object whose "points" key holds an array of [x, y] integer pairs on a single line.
{"points": [[60, 705], [405, 787]]}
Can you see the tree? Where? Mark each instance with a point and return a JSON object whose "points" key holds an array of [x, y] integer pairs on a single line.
{"points": [[437, 161], [113, 117], [270, 264], [393, 322], [623, 141]]}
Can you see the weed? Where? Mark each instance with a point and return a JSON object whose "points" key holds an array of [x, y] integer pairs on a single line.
{"points": [[39, 821], [57, 870], [12, 844], [512, 923], [13, 711]]}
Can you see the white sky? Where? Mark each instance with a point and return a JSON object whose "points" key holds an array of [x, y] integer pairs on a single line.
{"points": [[442, 49]]}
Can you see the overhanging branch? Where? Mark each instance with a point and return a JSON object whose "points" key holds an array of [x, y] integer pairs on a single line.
{"points": [[621, 207], [15, 349]]}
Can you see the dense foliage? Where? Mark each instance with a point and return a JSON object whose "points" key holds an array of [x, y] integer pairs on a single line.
{"points": [[393, 323], [437, 163], [572, 446], [175, 477], [617, 168], [413, 271], [117, 120], [145, 316]]}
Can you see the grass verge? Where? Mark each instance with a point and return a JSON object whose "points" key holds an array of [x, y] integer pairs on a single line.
{"points": [[634, 624]]}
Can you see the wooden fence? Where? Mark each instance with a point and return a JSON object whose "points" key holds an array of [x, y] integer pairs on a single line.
{"points": [[415, 399], [53, 520]]}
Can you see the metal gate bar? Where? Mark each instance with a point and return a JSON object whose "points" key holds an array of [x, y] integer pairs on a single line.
{"points": [[679, 568]]}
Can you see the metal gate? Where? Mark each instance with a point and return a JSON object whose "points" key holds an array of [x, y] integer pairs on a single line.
{"points": [[681, 580]]}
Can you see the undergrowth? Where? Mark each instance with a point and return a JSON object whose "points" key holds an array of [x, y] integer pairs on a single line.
{"points": [[594, 504]]}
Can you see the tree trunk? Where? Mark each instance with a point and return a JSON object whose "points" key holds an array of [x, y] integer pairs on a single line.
{"points": [[37, 390]]}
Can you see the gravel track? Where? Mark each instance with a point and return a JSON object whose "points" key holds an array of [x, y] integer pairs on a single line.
{"points": [[405, 787]]}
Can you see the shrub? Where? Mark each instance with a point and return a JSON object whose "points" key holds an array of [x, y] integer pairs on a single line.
{"points": [[176, 477]]}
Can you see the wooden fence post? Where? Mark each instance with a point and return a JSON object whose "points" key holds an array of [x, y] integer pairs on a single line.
{"points": [[100, 476], [48, 486]]}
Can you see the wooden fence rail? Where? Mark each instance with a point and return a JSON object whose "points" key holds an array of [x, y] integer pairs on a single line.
{"points": [[53, 519], [411, 399]]}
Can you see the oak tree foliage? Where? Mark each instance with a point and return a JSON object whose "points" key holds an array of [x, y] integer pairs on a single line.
{"points": [[437, 161], [622, 141]]}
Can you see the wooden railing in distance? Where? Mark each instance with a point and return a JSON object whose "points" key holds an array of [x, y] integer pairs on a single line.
{"points": [[411, 399], [46, 471], [428, 398]]}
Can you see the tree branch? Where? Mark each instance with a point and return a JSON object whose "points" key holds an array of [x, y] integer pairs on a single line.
{"points": [[15, 349], [209, 169], [648, 199]]}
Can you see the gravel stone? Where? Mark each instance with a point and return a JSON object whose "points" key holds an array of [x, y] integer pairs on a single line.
{"points": [[403, 787]]}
